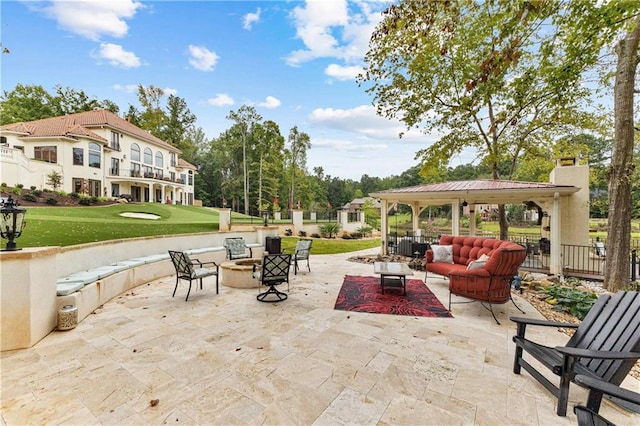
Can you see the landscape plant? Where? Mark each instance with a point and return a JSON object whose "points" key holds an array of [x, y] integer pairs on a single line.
{"points": [[569, 299]]}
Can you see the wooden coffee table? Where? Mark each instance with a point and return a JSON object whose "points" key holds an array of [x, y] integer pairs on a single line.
{"points": [[392, 274]]}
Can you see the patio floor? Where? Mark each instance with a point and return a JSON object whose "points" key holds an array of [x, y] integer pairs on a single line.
{"points": [[229, 359]]}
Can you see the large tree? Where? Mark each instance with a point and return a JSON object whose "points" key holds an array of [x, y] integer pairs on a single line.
{"points": [[477, 73], [299, 144], [245, 118]]}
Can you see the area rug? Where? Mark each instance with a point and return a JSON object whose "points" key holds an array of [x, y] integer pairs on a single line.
{"points": [[363, 294]]}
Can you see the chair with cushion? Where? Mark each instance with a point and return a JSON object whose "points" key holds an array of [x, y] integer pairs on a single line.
{"points": [[274, 271], [237, 248], [191, 269], [303, 248], [605, 346], [588, 415]]}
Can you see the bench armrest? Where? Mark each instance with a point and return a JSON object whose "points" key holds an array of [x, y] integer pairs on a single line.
{"points": [[590, 353], [608, 388]]}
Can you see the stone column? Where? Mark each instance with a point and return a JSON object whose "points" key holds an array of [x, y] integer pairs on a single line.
{"points": [[225, 220]]}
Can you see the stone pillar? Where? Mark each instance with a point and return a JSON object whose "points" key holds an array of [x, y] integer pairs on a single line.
{"points": [[455, 218], [297, 220], [384, 227], [313, 216], [277, 215], [472, 219], [225, 220]]}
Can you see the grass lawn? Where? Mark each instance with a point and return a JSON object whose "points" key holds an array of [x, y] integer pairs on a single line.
{"points": [[65, 226]]}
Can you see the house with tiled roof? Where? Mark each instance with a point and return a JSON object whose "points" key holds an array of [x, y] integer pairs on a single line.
{"points": [[97, 154]]}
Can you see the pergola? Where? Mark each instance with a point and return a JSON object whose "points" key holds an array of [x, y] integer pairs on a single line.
{"points": [[546, 195]]}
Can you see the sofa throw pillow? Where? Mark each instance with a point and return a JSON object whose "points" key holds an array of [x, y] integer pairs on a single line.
{"points": [[483, 258], [476, 264], [442, 254]]}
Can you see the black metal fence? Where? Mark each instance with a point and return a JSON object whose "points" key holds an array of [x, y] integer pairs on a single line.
{"points": [[577, 261]]}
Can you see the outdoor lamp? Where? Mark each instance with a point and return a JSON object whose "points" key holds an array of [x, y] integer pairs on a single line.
{"points": [[11, 223], [464, 203]]}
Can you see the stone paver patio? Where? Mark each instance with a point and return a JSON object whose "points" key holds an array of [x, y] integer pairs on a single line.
{"points": [[229, 359]]}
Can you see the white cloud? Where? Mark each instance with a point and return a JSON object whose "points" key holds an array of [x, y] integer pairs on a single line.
{"points": [[331, 29], [128, 88], [202, 58], [91, 19], [250, 19], [117, 56], [364, 121], [340, 72], [169, 91], [270, 102], [221, 99]]}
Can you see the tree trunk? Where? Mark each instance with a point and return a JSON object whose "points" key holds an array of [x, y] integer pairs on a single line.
{"points": [[504, 224], [616, 274]]}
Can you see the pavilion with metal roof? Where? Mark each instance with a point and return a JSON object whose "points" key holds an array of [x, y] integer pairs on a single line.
{"points": [[565, 200]]}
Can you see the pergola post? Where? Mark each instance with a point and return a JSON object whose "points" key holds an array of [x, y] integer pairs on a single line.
{"points": [[472, 219], [555, 254], [384, 213], [455, 217]]}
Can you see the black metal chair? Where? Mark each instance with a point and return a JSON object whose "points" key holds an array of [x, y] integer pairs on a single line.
{"points": [[605, 346], [274, 271], [589, 415], [186, 269], [237, 248], [303, 249]]}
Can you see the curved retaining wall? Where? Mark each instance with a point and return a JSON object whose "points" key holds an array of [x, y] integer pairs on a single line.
{"points": [[30, 278]]}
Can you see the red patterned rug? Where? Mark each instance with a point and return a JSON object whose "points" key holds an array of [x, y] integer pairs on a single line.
{"points": [[363, 294]]}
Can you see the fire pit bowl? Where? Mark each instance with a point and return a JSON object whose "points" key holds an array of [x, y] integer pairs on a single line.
{"points": [[239, 273]]}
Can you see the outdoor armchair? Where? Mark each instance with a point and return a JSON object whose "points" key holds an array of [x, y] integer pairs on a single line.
{"points": [[302, 251], [191, 269], [237, 248], [274, 271], [605, 346]]}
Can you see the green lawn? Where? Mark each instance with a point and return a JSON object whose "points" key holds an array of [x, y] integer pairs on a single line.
{"points": [[65, 226]]}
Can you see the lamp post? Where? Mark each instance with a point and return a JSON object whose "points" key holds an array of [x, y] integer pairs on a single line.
{"points": [[11, 223]]}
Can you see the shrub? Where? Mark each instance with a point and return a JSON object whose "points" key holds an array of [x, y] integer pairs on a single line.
{"points": [[30, 197], [3, 185], [365, 230], [288, 232], [356, 235], [52, 201], [20, 186], [330, 230], [54, 179], [74, 195], [568, 299], [346, 236], [46, 190], [37, 193], [33, 188], [302, 234], [315, 235], [16, 191], [85, 201], [93, 200]]}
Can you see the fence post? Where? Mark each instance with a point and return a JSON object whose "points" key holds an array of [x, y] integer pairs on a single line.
{"points": [[634, 263]]}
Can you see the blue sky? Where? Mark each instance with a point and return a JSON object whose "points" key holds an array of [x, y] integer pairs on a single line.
{"points": [[294, 61]]}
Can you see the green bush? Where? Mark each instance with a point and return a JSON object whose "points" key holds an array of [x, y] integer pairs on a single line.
{"points": [[20, 186], [316, 235], [52, 201], [37, 193], [74, 195], [33, 188], [330, 230], [30, 197], [85, 201], [568, 299], [16, 191]]}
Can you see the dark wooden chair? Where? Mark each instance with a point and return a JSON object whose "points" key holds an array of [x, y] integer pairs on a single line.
{"points": [[274, 271], [237, 248], [191, 269], [588, 414], [302, 251], [605, 346]]}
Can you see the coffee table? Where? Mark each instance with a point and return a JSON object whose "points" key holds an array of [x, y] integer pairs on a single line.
{"points": [[392, 274]]}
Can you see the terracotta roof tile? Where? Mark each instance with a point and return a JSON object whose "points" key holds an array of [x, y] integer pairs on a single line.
{"points": [[80, 124], [472, 185]]}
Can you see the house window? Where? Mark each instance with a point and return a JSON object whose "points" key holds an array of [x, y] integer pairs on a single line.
{"points": [[76, 184], [159, 159], [94, 188], [3, 140], [158, 174], [78, 157], [135, 170], [173, 159], [46, 153], [148, 156], [172, 176], [135, 152], [190, 177], [115, 167], [115, 141], [94, 155]]}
